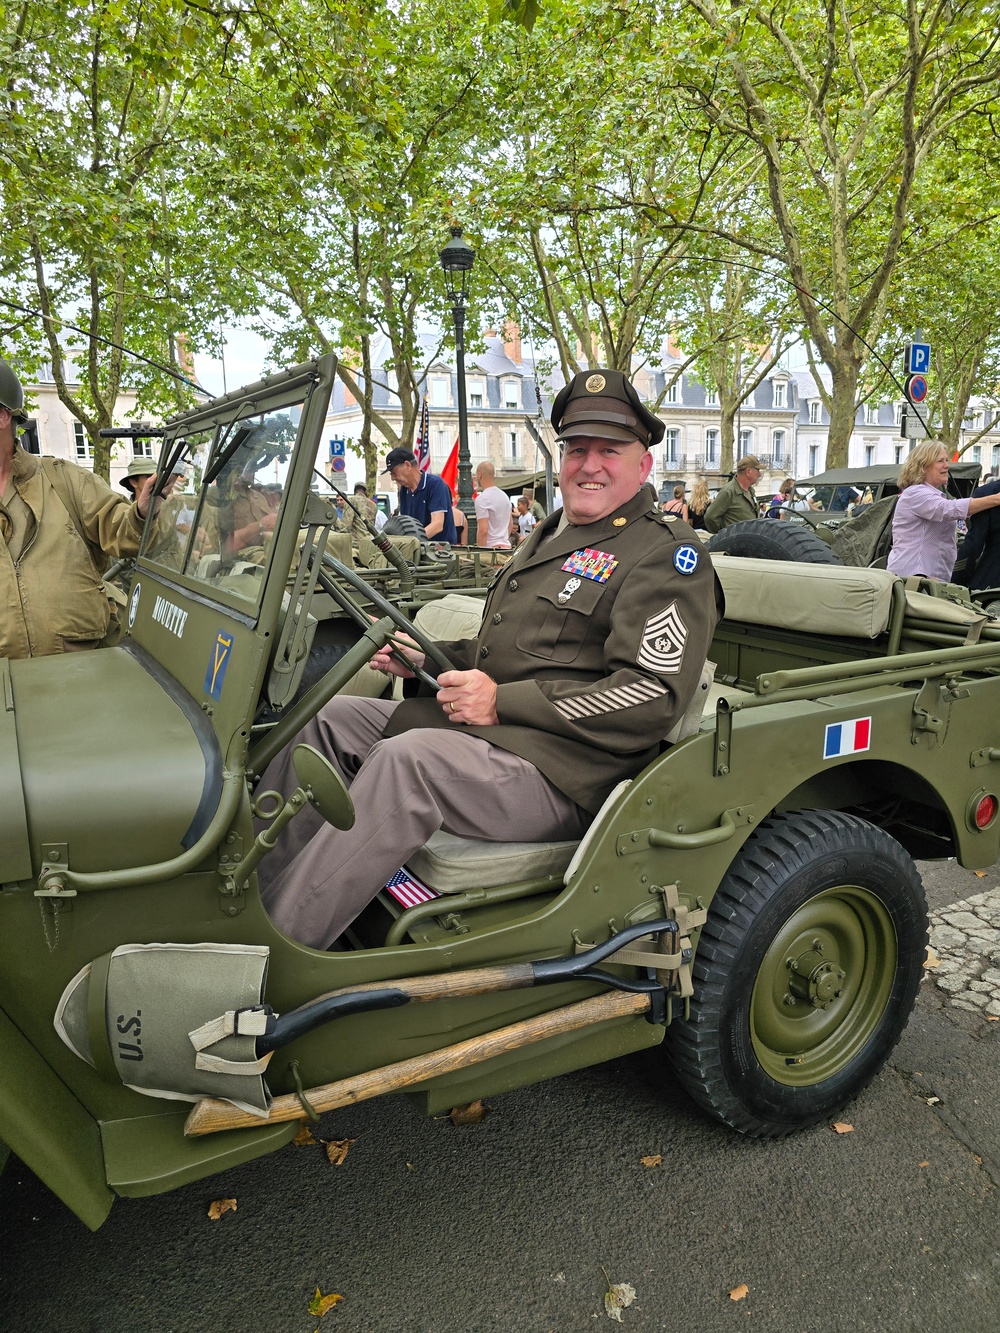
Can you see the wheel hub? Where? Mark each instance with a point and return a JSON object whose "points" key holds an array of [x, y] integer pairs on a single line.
{"points": [[813, 979]]}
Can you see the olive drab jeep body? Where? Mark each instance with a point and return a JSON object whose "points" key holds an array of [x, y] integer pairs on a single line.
{"points": [[748, 901]]}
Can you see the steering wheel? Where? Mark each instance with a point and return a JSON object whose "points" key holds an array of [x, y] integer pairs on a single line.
{"points": [[427, 645]]}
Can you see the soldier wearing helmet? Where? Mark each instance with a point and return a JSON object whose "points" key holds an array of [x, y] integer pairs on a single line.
{"points": [[60, 525]]}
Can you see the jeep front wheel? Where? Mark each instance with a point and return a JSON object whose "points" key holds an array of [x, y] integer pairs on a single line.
{"points": [[806, 973]]}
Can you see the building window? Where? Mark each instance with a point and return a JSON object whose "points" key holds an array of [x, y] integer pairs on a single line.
{"points": [[898, 453], [897, 414], [512, 444], [673, 392], [477, 393], [780, 393], [511, 394], [711, 445], [871, 414], [814, 412], [995, 456], [142, 448], [82, 443], [746, 441], [977, 421], [439, 391], [977, 453], [711, 396], [777, 443], [869, 455], [813, 459], [671, 440]]}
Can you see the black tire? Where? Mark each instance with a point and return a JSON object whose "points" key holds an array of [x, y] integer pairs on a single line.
{"points": [[769, 1049], [771, 539], [404, 525]]}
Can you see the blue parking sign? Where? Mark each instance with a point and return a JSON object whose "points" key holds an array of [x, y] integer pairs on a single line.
{"points": [[918, 358], [337, 449]]}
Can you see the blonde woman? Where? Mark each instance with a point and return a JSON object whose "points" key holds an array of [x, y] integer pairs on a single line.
{"points": [[699, 502], [924, 533]]}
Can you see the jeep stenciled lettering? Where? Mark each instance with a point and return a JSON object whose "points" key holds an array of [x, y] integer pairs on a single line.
{"points": [[171, 617]]}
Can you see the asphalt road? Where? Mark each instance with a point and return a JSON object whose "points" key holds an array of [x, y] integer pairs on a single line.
{"points": [[513, 1223]]}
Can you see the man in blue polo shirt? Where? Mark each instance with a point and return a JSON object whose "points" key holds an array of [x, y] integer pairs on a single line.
{"points": [[422, 495]]}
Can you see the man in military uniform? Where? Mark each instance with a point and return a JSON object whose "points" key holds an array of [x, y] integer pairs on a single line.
{"points": [[736, 501], [359, 509], [59, 524], [592, 643]]}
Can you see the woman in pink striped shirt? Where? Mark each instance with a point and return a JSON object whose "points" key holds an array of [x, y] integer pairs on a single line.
{"points": [[924, 525]]}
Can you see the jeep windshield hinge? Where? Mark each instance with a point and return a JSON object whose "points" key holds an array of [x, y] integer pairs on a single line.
{"points": [[932, 710]]}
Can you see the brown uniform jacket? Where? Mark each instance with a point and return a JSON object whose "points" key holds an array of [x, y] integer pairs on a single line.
{"points": [[592, 672], [733, 504], [52, 598]]}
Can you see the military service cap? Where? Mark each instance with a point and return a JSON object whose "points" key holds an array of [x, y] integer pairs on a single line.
{"points": [[604, 403]]}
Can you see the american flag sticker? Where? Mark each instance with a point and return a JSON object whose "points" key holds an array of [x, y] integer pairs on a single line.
{"points": [[847, 738], [408, 890]]}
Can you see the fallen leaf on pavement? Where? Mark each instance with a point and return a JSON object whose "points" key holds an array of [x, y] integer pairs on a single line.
{"points": [[738, 1293], [923, 1163], [842, 1127], [992, 1018], [337, 1150], [977, 1159], [304, 1138], [472, 1114], [220, 1206], [931, 960], [655, 1159], [320, 1304], [933, 1101], [980, 874], [618, 1297]]}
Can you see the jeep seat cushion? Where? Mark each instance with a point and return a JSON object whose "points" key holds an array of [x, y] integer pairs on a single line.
{"points": [[454, 865], [450, 617], [815, 599]]}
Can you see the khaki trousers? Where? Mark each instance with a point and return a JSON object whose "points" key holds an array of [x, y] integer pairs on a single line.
{"points": [[405, 788]]}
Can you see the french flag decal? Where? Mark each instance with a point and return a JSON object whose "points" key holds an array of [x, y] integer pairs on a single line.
{"points": [[847, 738]]}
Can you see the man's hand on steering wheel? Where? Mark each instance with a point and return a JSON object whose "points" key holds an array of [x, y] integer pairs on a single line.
{"points": [[468, 697], [386, 660]]}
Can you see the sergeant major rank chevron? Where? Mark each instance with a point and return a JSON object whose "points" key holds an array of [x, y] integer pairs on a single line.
{"points": [[663, 638]]}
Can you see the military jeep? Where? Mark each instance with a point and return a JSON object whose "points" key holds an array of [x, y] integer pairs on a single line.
{"points": [[748, 902]]}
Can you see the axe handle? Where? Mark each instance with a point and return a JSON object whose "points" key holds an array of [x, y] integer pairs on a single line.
{"points": [[211, 1115]]}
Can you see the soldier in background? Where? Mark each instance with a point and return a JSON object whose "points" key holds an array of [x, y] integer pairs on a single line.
{"points": [[736, 502], [355, 513]]}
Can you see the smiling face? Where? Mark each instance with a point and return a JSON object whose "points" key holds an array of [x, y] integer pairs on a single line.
{"points": [[936, 474], [598, 476]]}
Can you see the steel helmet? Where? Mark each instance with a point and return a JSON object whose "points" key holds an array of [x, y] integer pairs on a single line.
{"points": [[11, 393]]}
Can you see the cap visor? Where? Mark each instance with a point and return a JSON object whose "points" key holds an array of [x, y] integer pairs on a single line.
{"points": [[599, 430]]}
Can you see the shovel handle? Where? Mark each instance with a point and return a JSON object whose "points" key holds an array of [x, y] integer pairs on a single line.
{"points": [[210, 1115]]}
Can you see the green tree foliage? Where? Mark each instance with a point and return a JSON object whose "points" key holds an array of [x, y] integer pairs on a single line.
{"points": [[96, 102], [844, 108]]}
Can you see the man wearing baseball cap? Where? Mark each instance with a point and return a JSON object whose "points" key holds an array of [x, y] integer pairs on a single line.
{"points": [[591, 647], [737, 500], [422, 495]]}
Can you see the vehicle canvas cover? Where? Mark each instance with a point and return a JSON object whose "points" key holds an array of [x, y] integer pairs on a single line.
{"points": [[163, 1018]]}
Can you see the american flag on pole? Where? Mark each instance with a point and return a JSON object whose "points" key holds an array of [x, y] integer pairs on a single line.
{"points": [[408, 890], [422, 446]]}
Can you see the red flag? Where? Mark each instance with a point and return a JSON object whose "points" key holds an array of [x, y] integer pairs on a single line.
{"points": [[449, 473]]}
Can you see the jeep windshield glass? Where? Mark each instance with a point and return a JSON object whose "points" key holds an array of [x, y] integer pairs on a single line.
{"points": [[222, 536]]}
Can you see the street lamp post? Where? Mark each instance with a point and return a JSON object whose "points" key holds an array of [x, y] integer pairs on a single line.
{"points": [[457, 259]]}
